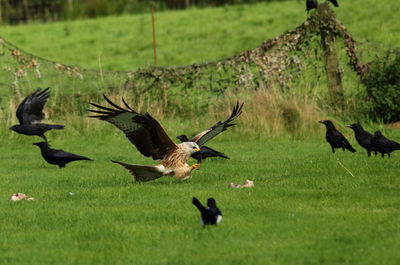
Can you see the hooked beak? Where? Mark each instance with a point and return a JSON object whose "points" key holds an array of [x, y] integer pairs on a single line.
{"points": [[196, 149]]}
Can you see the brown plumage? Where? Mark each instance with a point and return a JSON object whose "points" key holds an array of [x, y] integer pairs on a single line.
{"points": [[208, 134], [151, 140]]}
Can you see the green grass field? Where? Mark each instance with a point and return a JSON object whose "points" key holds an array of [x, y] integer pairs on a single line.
{"points": [[191, 36], [305, 207], [308, 206]]}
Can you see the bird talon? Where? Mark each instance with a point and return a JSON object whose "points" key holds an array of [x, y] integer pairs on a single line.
{"points": [[195, 166]]}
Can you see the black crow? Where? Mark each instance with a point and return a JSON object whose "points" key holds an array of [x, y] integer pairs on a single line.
{"points": [[204, 152], [334, 2], [30, 113], [210, 215], [310, 4], [336, 138], [57, 157], [383, 145], [363, 138]]}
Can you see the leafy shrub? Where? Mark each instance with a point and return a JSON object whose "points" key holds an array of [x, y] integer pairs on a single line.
{"points": [[383, 87]]}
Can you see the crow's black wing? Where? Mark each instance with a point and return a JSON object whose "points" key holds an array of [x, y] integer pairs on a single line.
{"points": [[31, 108], [63, 154], [207, 152]]}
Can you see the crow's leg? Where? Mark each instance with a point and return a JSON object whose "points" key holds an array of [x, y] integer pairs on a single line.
{"points": [[333, 149]]}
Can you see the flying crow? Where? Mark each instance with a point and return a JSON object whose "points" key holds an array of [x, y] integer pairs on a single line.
{"points": [[30, 113], [57, 157], [204, 152], [336, 138], [210, 215], [383, 145], [363, 138]]}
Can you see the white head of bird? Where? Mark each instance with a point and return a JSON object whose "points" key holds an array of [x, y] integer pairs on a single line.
{"points": [[190, 147]]}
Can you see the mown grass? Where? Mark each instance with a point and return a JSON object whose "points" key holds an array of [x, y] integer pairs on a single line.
{"points": [[191, 36], [305, 207]]}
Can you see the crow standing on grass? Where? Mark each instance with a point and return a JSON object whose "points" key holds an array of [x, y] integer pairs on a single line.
{"points": [[336, 138], [363, 138], [210, 215], [30, 113], [383, 145], [204, 152], [57, 157]]}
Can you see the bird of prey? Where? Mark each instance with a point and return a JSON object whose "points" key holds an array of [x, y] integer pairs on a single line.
{"points": [[210, 215], [363, 138], [336, 138], [204, 152], [206, 135], [383, 145], [310, 4], [151, 140], [57, 157], [30, 113]]}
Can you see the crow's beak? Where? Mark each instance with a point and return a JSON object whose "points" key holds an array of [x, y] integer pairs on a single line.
{"points": [[349, 126], [321, 121]]}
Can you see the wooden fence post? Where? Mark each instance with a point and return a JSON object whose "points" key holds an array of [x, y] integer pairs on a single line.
{"points": [[334, 75], [154, 36]]}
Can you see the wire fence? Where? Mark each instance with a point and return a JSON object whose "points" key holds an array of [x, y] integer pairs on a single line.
{"points": [[296, 54]]}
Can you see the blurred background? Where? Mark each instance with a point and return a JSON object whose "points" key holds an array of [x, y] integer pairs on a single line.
{"points": [[25, 11]]}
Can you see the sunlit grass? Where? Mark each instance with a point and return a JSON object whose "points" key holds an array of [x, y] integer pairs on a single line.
{"points": [[305, 207], [191, 36]]}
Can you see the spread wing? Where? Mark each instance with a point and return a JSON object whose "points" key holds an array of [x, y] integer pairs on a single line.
{"points": [[217, 128], [141, 129], [31, 108]]}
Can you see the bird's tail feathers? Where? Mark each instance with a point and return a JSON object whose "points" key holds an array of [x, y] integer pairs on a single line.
{"points": [[141, 173], [198, 205], [350, 148], [57, 127], [78, 157]]}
